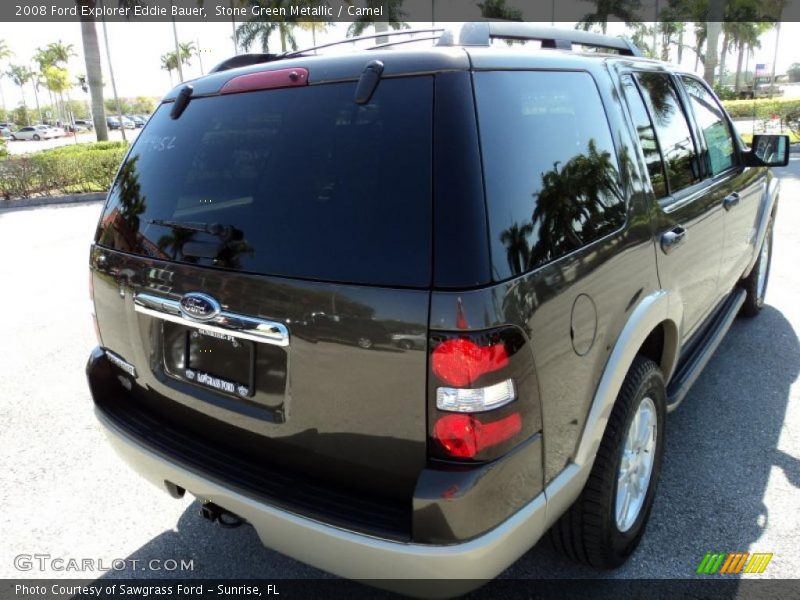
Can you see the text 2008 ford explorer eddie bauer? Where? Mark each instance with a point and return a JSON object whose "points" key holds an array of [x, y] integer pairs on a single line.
{"points": [[573, 232]]}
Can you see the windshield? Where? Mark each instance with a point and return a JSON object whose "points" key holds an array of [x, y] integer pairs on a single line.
{"points": [[315, 185]]}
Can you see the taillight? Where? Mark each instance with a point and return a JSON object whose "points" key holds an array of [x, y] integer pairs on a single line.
{"points": [[91, 307], [461, 361], [483, 394], [464, 436]]}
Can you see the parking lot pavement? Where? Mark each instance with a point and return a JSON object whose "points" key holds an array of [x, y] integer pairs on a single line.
{"points": [[30, 146], [730, 478]]}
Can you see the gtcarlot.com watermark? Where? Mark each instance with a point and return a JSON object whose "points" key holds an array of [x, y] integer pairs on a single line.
{"points": [[48, 562]]}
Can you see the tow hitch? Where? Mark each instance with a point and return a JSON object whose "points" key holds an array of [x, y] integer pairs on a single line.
{"points": [[217, 514]]}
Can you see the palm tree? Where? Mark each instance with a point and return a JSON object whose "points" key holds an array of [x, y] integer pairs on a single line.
{"points": [[60, 52], [624, 10], [5, 52], [497, 9], [44, 58], [169, 63], [186, 51], [57, 81], [261, 28], [715, 16], [745, 36], [57, 54], [518, 251], [175, 40], [314, 27], [575, 203], [94, 72], [20, 75], [392, 13]]}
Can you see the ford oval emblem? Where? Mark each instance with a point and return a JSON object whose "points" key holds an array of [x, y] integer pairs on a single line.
{"points": [[200, 307]]}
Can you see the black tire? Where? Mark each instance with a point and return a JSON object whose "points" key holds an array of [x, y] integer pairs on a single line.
{"points": [[754, 301], [36, 137], [364, 342], [588, 531]]}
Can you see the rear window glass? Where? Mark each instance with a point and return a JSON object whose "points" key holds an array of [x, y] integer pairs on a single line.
{"points": [[550, 167], [299, 182]]}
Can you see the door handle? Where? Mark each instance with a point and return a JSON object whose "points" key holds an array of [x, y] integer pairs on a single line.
{"points": [[730, 201], [672, 238]]}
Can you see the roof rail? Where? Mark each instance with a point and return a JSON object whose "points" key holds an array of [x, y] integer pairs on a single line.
{"points": [[359, 38], [482, 33], [244, 60], [470, 34]]}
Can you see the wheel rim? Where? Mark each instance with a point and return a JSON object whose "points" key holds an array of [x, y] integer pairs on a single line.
{"points": [[636, 466], [763, 269]]}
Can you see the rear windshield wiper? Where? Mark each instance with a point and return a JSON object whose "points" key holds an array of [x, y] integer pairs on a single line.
{"points": [[226, 233]]}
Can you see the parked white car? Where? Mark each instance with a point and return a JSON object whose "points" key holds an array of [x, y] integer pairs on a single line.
{"points": [[34, 132], [59, 131]]}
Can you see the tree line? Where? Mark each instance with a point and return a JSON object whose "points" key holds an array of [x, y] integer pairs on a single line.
{"points": [[711, 29]]}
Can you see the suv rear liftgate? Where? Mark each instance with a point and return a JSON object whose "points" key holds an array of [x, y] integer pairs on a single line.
{"points": [[256, 261]]}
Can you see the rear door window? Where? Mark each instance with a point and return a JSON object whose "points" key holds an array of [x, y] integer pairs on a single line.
{"points": [[672, 129], [550, 166], [299, 182], [647, 136]]}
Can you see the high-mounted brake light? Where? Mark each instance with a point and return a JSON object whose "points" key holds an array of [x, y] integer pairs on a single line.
{"points": [[461, 361], [266, 80], [464, 436]]}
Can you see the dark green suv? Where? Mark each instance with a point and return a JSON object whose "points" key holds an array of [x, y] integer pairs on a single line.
{"points": [[572, 227]]}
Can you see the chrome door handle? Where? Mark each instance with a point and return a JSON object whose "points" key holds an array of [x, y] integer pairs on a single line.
{"points": [[673, 238], [730, 201]]}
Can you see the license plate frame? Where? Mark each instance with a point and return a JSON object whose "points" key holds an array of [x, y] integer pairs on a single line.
{"points": [[209, 377]]}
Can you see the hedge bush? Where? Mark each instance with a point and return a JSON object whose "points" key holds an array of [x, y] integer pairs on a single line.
{"points": [[763, 108], [68, 169]]}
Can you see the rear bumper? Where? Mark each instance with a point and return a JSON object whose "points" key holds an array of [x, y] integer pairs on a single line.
{"points": [[338, 551], [467, 523]]}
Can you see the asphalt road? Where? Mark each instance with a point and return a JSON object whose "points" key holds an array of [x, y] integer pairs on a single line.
{"points": [[730, 479]]}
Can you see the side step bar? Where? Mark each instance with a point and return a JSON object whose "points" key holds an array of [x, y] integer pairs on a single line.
{"points": [[693, 364]]}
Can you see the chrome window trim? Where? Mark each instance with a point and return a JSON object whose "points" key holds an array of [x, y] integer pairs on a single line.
{"points": [[235, 325]]}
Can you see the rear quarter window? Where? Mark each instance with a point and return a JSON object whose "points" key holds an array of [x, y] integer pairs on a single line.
{"points": [[298, 182], [550, 167]]}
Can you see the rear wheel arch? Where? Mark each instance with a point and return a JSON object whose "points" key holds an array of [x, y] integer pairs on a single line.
{"points": [[661, 311], [661, 346]]}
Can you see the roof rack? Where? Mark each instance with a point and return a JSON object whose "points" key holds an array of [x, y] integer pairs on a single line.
{"points": [[359, 38], [482, 33], [243, 60], [470, 34]]}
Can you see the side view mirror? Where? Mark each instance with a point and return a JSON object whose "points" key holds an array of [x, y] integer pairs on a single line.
{"points": [[768, 151]]}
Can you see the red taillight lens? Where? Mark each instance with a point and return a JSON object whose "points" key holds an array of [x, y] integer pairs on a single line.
{"points": [[91, 307], [464, 436], [461, 361]]}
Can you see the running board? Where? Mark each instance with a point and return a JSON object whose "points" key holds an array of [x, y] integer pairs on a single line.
{"points": [[690, 368]]}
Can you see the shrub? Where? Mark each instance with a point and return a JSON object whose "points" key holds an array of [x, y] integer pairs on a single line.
{"points": [[67, 169], [763, 108]]}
